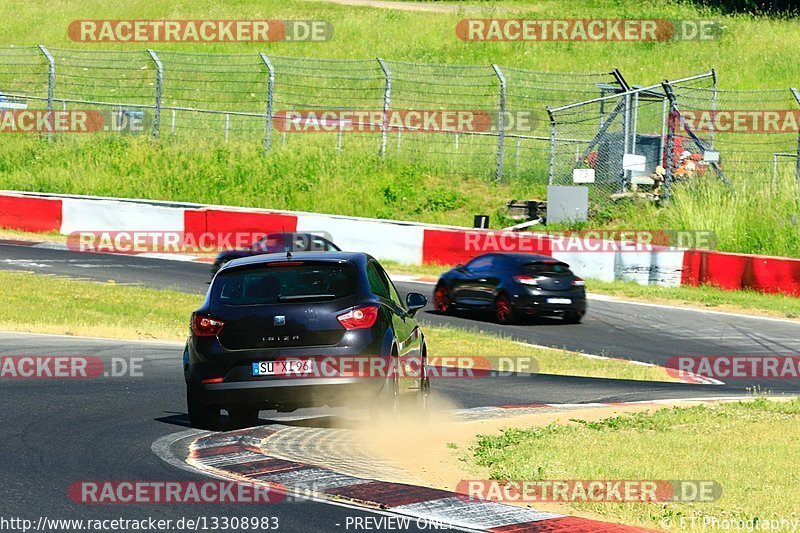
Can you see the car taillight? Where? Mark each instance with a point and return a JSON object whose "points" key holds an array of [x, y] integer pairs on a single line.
{"points": [[578, 282], [204, 326], [526, 280], [363, 317]]}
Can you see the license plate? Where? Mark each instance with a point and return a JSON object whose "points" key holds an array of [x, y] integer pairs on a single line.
{"points": [[281, 368], [559, 300]]}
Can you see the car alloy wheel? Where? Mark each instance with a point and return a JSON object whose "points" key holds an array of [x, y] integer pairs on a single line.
{"points": [[502, 310], [441, 299]]}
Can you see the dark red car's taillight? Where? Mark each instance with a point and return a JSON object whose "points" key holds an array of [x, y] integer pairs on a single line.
{"points": [[205, 326], [360, 318]]}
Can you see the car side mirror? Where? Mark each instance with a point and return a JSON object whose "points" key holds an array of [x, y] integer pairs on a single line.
{"points": [[460, 267], [415, 301]]}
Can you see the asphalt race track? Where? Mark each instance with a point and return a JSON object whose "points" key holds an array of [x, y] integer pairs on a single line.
{"points": [[643, 333], [105, 429], [106, 426]]}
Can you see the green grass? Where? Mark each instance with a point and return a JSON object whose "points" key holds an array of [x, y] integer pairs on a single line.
{"points": [[766, 46], [747, 447], [503, 351], [47, 304], [308, 174], [779, 305], [234, 174]]}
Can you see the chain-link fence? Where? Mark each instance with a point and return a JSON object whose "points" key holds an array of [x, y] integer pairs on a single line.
{"points": [[644, 140], [271, 100], [542, 127], [751, 130], [616, 143]]}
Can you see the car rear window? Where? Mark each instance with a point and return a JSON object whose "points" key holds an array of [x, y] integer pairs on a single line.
{"points": [[547, 269], [265, 285]]}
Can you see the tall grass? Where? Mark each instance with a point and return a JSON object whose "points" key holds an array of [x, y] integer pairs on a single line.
{"points": [[317, 179], [751, 217], [752, 53]]}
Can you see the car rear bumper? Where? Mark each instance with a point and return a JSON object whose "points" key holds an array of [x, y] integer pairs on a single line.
{"points": [[217, 376], [550, 303], [289, 393]]}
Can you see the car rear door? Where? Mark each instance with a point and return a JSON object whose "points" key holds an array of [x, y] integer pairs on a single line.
{"points": [[469, 290], [404, 326]]}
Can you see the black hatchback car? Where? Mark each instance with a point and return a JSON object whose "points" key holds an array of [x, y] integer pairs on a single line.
{"points": [[268, 320], [276, 243], [513, 285]]}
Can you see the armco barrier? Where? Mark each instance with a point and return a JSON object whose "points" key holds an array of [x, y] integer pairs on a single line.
{"points": [[30, 213], [405, 242], [401, 242], [766, 273], [453, 246], [216, 222], [741, 271], [93, 215]]}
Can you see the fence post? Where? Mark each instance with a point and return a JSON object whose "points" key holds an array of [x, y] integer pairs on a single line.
{"points": [[626, 139], [713, 106], [159, 82], [51, 81], [387, 91], [669, 159], [796, 95], [270, 100], [551, 164], [501, 126]]}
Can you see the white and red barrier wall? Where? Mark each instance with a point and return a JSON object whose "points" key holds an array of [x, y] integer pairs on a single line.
{"points": [[405, 242]]}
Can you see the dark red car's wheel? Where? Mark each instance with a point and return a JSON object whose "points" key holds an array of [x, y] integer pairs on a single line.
{"points": [[503, 312], [441, 300]]}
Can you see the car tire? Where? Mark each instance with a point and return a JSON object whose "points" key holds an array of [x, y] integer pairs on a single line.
{"points": [[441, 300], [201, 416], [503, 310], [424, 396], [386, 406], [572, 317], [244, 417]]}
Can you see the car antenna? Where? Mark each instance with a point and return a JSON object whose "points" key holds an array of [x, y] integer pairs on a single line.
{"points": [[286, 244]]}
